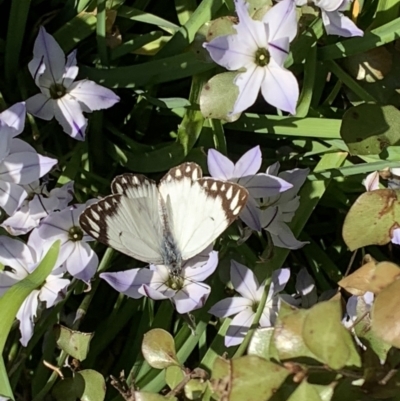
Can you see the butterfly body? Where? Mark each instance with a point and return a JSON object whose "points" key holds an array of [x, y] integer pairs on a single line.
{"points": [[167, 223]]}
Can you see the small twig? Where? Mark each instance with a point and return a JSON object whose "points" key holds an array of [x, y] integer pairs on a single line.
{"points": [[53, 368], [127, 393]]}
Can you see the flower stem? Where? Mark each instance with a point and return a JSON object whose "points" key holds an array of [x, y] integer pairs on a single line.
{"points": [[243, 346]]}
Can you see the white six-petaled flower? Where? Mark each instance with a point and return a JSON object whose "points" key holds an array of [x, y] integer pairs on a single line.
{"points": [[20, 260], [75, 253], [246, 284], [261, 48], [185, 290], [60, 96]]}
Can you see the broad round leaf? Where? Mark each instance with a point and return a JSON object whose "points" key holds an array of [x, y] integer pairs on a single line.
{"points": [[372, 276], [218, 97], [367, 129], [74, 343], [325, 336], [95, 385], [372, 219], [260, 342], [385, 314], [194, 389], [173, 376], [158, 348], [145, 396], [305, 392]]}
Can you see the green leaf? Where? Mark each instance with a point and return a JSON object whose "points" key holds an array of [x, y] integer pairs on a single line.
{"points": [[368, 129], [326, 337], [145, 396], [218, 97], [372, 218], [86, 385], [260, 343], [158, 348], [74, 343], [305, 391], [12, 300], [194, 389], [174, 375]]}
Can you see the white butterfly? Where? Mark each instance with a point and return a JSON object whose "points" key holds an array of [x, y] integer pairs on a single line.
{"points": [[165, 224]]}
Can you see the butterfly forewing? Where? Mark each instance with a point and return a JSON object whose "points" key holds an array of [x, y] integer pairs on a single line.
{"points": [[134, 186], [132, 226]]}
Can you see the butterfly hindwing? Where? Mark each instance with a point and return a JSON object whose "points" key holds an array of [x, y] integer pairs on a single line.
{"points": [[199, 209]]}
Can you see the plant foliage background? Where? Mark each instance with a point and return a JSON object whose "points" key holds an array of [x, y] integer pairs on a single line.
{"points": [[329, 341]]}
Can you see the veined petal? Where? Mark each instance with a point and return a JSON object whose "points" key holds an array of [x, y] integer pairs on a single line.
{"points": [[51, 291], [190, 297], [281, 21], [239, 327], [26, 315], [251, 214], [202, 272], [273, 169], [13, 119], [156, 294], [92, 95], [25, 167], [128, 282], [244, 281], [296, 177], [249, 84], [16, 254], [279, 50], [199, 260], [396, 236], [329, 5], [284, 238], [249, 163], [41, 106], [219, 166], [305, 286], [371, 182], [47, 48], [11, 196], [5, 141], [279, 279], [82, 263], [262, 185], [68, 113], [280, 88], [71, 70], [7, 281], [250, 31], [230, 51], [230, 306], [19, 223], [268, 216], [338, 24]]}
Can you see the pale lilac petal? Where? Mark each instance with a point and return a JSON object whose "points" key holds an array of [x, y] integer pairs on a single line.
{"points": [[305, 286], [203, 272], [5, 140], [16, 254], [64, 194], [279, 50], [287, 210], [156, 294], [49, 50], [396, 236], [284, 238], [26, 315], [53, 289], [190, 297], [230, 52], [11, 196], [7, 281], [338, 24], [128, 282], [71, 70], [244, 281], [82, 262], [239, 327], [69, 114], [20, 222], [160, 274], [25, 167], [297, 178], [330, 5], [279, 279], [248, 164], [351, 307], [263, 185], [281, 21], [251, 32], [199, 260], [41, 106], [249, 84], [219, 166], [230, 306], [251, 215], [371, 182], [40, 207], [265, 319], [93, 96], [273, 169], [369, 298], [280, 88], [268, 217], [14, 119], [18, 145]]}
